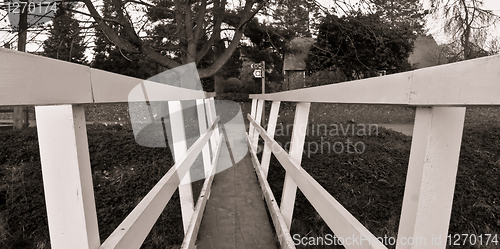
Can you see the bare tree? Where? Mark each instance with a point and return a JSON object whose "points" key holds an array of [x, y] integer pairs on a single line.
{"points": [[195, 27], [466, 21]]}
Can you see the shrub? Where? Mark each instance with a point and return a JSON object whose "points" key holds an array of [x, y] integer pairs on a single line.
{"points": [[232, 85], [324, 77]]}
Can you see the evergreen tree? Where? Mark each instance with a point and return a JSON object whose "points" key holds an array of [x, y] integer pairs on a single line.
{"points": [[360, 45], [65, 41], [109, 57]]}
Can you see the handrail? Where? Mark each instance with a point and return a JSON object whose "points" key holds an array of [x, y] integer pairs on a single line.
{"points": [[57, 89], [132, 232], [465, 83], [342, 223], [35, 80], [440, 94]]}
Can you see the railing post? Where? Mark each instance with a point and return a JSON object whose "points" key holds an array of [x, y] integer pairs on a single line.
{"points": [[180, 148], [258, 118], [67, 178], [214, 114], [431, 176], [271, 128], [253, 112], [296, 149], [210, 118], [202, 123]]}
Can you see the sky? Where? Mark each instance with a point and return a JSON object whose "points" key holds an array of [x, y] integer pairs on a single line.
{"points": [[435, 29]]}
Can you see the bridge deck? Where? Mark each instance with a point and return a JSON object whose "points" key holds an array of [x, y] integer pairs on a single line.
{"points": [[235, 215]]}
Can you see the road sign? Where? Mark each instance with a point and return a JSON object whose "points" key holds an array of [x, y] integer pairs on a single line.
{"points": [[256, 65], [257, 73]]}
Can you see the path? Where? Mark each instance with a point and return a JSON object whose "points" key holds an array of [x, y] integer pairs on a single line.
{"points": [[406, 129], [235, 215]]}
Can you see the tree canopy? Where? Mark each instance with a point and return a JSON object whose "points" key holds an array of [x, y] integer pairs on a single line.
{"points": [[467, 22], [176, 32], [360, 45], [65, 41]]}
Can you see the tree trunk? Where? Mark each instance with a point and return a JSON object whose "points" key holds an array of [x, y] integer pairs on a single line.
{"points": [[20, 116], [218, 79]]}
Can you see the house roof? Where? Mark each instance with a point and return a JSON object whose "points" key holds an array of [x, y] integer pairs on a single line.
{"points": [[296, 58], [425, 52]]}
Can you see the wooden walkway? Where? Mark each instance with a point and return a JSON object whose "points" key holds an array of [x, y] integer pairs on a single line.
{"points": [[235, 215]]}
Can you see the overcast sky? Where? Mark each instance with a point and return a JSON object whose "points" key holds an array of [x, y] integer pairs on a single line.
{"points": [[434, 29]]}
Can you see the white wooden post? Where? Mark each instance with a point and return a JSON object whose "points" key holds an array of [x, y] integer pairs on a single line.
{"points": [[253, 112], [258, 118], [430, 181], [296, 149], [67, 178], [202, 123], [180, 148], [214, 114], [271, 128], [210, 118]]}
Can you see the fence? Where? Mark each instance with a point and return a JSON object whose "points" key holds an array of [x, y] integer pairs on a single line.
{"points": [[57, 89], [440, 95]]}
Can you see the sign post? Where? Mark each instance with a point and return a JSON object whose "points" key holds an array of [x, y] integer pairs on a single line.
{"points": [[260, 72]]}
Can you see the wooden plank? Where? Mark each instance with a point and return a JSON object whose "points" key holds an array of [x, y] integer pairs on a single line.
{"points": [[258, 117], [471, 82], [134, 229], [235, 215], [214, 113], [35, 80], [431, 177], [253, 112], [202, 124], [192, 232], [340, 221], [271, 128], [282, 231], [210, 117], [110, 88], [67, 178], [296, 149], [180, 147], [390, 89]]}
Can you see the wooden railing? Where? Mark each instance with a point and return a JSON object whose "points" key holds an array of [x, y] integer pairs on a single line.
{"points": [[58, 89], [440, 95]]}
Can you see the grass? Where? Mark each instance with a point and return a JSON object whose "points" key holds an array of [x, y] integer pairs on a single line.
{"points": [[122, 173], [370, 185]]}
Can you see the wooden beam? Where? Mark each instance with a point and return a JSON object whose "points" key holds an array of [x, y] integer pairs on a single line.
{"points": [[340, 221], [192, 232], [258, 117], [271, 128], [390, 89], [28, 79], [282, 231], [430, 182], [296, 149], [67, 178], [132, 232], [179, 151], [110, 88], [471, 82]]}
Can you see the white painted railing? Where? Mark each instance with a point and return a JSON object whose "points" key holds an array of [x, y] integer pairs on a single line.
{"points": [[57, 89], [440, 94]]}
